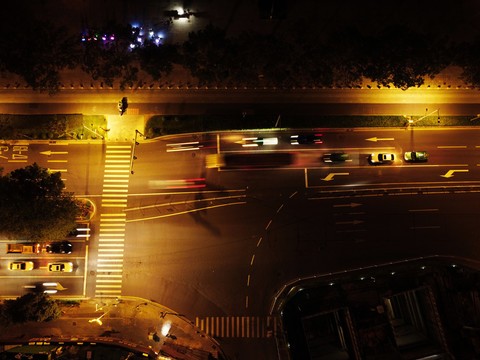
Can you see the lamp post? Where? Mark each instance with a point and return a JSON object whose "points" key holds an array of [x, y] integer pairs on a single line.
{"points": [[133, 151], [411, 122]]}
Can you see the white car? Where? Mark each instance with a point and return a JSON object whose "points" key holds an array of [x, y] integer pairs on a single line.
{"points": [[61, 267], [258, 141], [381, 158]]}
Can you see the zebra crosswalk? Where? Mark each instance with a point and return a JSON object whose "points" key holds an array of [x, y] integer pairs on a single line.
{"points": [[238, 326], [112, 221]]}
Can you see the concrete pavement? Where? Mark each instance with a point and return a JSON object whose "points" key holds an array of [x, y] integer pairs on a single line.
{"points": [[132, 322]]}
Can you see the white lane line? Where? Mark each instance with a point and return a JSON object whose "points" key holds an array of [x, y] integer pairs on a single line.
{"points": [[114, 181], [119, 260]]}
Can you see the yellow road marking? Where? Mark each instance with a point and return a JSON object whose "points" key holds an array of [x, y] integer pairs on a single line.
{"points": [[186, 212]]}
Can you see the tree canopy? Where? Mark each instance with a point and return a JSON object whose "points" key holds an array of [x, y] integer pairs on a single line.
{"points": [[37, 307], [34, 205]]}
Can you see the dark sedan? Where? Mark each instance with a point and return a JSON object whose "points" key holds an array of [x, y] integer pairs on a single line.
{"points": [[61, 247]]}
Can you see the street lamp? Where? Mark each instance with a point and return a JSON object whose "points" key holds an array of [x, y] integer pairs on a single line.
{"points": [[411, 122]]}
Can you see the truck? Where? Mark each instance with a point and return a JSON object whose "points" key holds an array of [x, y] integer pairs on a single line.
{"points": [[250, 160], [31, 248]]}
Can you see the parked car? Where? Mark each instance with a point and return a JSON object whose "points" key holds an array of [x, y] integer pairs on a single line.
{"points": [[60, 247], [381, 158], [21, 265], [416, 156], [61, 267], [336, 157]]}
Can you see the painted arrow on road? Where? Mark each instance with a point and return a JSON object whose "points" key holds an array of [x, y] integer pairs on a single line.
{"points": [[379, 139], [347, 205], [330, 176], [449, 173], [354, 222], [48, 153]]}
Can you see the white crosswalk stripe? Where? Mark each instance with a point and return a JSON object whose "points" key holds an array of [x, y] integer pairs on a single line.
{"points": [[238, 326], [112, 223]]}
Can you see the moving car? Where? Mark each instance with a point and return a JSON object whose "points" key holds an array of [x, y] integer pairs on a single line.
{"points": [[21, 265], [46, 287], [381, 158], [259, 141], [61, 247], [336, 157], [303, 139], [416, 156], [61, 267]]}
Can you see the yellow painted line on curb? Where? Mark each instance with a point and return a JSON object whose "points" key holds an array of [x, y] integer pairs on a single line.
{"points": [[114, 205], [119, 147], [114, 190], [113, 215]]}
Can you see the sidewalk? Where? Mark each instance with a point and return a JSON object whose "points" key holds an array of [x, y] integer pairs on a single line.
{"points": [[131, 322], [122, 128]]}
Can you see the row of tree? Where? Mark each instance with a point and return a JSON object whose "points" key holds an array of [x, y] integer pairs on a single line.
{"points": [[397, 56]]}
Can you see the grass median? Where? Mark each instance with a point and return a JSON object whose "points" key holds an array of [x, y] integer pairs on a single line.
{"points": [[51, 127], [78, 126], [177, 124]]}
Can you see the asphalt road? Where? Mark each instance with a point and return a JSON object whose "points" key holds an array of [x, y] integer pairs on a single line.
{"points": [[217, 246]]}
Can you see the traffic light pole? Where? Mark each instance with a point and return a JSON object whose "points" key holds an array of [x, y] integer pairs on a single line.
{"points": [[133, 150]]}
